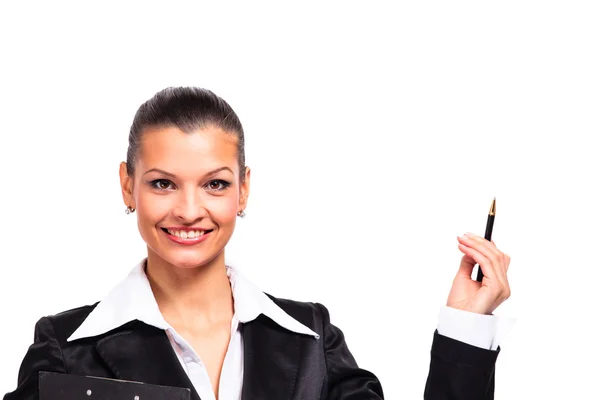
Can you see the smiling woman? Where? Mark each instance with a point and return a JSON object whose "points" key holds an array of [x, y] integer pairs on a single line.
{"points": [[184, 318], [169, 176]]}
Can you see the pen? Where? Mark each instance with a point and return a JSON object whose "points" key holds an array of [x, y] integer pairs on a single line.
{"points": [[488, 233]]}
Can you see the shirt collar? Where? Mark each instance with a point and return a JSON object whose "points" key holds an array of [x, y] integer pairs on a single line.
{"points": [[133, 299]]}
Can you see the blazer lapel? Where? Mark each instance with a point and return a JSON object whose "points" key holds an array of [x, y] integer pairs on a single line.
{"points": [[271, 359], [139, 352]]}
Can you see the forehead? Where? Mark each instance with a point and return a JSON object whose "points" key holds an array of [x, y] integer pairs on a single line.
{"points": [[175, 150]]}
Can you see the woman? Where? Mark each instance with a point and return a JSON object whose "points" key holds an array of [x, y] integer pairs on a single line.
{"points": [[183, 318]]}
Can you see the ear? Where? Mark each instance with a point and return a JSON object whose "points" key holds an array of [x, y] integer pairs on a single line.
{"points": [[126, 185], [245, 190]]}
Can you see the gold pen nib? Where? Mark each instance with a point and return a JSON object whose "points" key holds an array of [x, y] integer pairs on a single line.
{"points": [[493, 207]]}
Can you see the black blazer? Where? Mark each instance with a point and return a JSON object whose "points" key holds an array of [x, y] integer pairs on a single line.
{"points": [[278, 364]]}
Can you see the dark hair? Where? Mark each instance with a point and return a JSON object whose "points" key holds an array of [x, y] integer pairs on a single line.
{"points": [[189, 109]]}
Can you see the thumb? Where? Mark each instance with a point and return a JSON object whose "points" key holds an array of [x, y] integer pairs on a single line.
{"points": [[466, 267]]}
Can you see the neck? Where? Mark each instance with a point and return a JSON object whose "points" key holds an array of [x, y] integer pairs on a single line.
{"points": [[200, 295]]}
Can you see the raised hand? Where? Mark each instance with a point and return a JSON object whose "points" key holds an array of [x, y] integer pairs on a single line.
{"points": [[480, 297]]}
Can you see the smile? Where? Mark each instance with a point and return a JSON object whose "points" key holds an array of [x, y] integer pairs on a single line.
{"points": [[186, 236]]}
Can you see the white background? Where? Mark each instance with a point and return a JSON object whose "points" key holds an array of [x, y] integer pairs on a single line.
{"points": [[376, 134]]}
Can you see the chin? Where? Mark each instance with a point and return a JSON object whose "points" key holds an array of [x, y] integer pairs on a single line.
{"points": [[190, 260], [187, 261]]}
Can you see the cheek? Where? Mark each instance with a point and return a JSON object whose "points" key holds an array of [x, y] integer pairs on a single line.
{"points": [[226, 209], [151, 207]]}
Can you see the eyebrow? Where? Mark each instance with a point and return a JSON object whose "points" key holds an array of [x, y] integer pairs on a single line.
{"points": [[213, 172]]}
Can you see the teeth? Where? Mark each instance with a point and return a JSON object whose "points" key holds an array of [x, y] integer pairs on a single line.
{"points": [[186, 234]]}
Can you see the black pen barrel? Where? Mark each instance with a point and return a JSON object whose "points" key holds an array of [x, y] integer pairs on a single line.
{"points": [[488, 236], [489, 227]]}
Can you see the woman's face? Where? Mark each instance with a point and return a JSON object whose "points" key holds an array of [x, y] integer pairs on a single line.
{"points": [[186, 191]]}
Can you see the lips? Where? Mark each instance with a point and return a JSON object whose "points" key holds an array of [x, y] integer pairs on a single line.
{"points": [[186, 233], [187, 236]]}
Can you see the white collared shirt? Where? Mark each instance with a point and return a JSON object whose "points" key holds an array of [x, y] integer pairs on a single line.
{"points": [[133, 299]]}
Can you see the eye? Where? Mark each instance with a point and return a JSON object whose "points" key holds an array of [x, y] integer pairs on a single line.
{"points": [[218, 185], [162, 184]]}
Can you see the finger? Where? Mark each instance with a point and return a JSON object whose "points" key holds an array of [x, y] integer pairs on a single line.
{"points": [[465, 270], [495, 276], [487, 247], [489, 250], [484, 263], [499, 265], [506, 261]]}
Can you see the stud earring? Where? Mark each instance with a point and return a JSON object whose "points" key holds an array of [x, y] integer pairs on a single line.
{"points": [[241, 214], [129, 210]]}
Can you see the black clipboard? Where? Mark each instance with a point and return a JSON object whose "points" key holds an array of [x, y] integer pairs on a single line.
{"points": [[55, 386]]}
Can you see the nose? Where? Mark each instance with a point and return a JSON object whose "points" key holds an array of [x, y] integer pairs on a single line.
{"points": [[190, 205]]}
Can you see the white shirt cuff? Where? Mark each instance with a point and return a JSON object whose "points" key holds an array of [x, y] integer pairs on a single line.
{"points": [[484, 331]]}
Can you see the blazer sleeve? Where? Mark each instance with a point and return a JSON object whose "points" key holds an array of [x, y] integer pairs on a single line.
{"points": [[43, 355], [459, 371], [344, 379]]}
